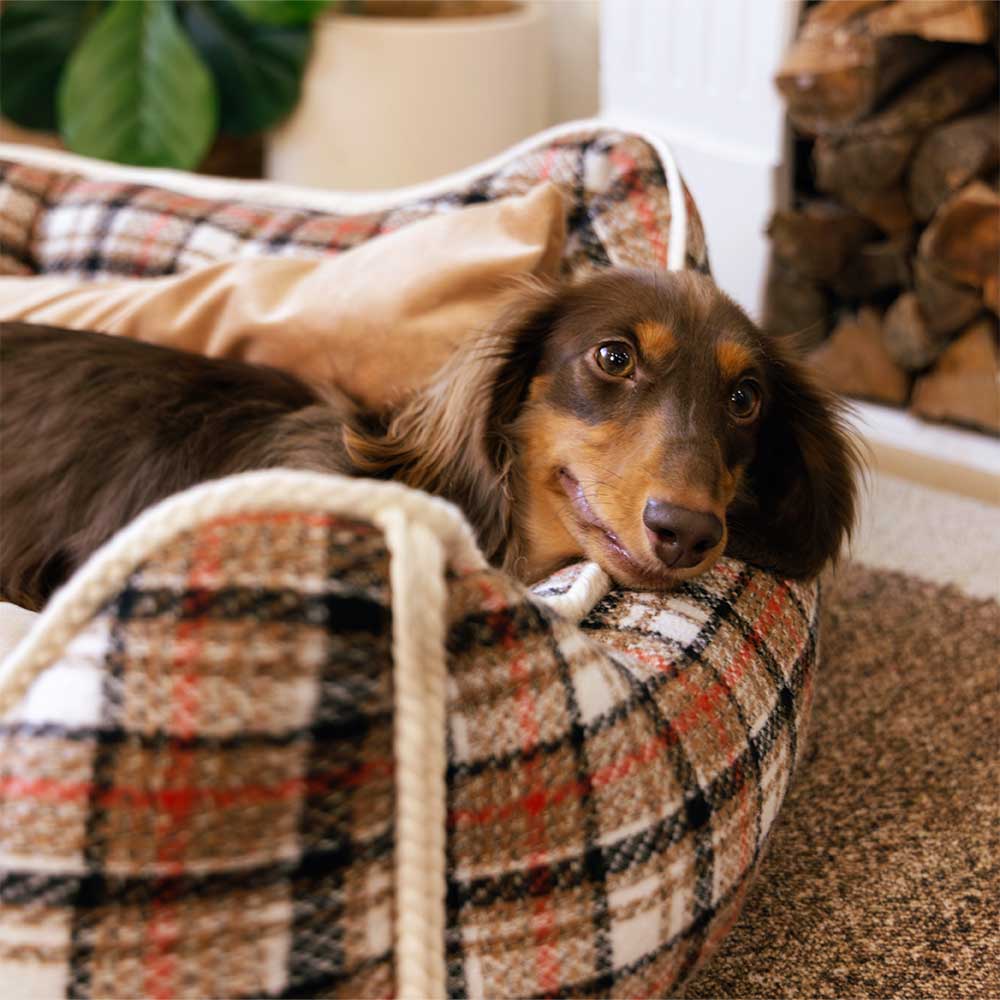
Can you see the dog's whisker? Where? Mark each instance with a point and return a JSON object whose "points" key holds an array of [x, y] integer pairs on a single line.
{"points": [[608, 472]]}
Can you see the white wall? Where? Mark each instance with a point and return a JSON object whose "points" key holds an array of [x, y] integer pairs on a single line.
{"points": [[699, 72]]}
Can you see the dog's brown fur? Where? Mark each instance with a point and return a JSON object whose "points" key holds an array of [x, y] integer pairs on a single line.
{"points": [[94, 429]]}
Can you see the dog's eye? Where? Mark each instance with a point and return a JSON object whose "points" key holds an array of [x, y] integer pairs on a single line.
{"points": [[744, 400], [616, 359]]}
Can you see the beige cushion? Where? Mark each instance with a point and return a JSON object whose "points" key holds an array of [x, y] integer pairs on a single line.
{"points": [[378, 319]]}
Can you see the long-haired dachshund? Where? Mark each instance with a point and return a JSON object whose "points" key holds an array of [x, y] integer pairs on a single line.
{"points": [[638, 420]]}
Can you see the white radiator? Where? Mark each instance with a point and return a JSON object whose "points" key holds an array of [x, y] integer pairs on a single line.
{"points": [[699, 73]]}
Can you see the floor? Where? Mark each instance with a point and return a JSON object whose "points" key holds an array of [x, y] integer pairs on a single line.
{"points": [[880, 876], [933, 534]]}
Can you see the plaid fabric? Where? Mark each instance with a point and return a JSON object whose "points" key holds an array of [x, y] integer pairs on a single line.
{"points": [[618, 213], [198, 796], [611, 786]]}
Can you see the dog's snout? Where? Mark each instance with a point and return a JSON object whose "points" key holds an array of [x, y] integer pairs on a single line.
{"points": [[681, 537]]}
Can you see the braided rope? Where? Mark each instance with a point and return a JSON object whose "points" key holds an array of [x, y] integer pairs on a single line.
{"points": [[421, 533], [418, 631]]}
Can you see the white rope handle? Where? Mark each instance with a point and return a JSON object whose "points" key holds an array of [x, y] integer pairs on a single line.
{"points": [[423, 535], [419, 599]]}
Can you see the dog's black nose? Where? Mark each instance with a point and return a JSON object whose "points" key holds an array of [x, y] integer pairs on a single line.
{"points": [[681, 537]]}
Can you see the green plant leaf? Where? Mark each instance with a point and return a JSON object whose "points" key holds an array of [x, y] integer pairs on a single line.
{"points": [[135, 90], [36, 39], [283, 11], [257, 67]]}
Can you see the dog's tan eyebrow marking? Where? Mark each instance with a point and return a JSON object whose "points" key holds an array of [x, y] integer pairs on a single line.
{"points": [[655, 339], [539, 386], [733, 358]]}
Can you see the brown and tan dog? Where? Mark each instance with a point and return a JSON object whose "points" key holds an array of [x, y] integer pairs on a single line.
{"points": [[638, 420]]}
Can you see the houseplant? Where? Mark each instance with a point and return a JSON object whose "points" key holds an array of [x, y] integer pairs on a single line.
{"points": [[152, 83]]}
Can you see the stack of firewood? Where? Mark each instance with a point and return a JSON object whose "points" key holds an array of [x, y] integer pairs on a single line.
{"points": [[888, 262]]}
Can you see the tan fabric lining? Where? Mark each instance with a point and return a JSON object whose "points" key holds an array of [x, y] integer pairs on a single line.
{"points": [[338, 319]]}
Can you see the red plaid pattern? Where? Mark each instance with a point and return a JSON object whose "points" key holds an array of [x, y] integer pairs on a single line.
{"points": [[213, 816], [612, 786], [206, 806]]}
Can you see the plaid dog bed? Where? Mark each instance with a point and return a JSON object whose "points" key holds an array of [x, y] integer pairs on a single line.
{"points": [[218, 777]]}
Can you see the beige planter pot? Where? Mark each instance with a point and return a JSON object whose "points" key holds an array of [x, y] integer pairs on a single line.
{"points": [[393, 101]]}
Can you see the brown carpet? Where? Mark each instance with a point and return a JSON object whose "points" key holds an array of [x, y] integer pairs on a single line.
{"points": [[882, 875]]}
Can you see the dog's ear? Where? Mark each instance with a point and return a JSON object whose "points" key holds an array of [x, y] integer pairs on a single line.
{"points": [[453, 438], [515, 346], [798, 504]]}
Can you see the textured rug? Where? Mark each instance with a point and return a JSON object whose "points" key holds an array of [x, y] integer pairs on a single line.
{"points": [[883, 875]]}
